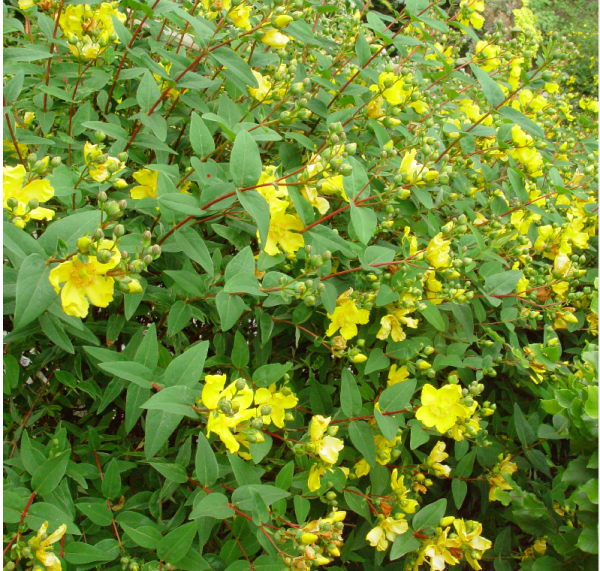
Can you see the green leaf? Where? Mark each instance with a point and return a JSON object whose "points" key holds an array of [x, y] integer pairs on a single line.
{"points": [[260, 512], [430, 515], [84, 553], [186, 369], [97, 512], [34, 290], [364, 222], [200, 137], [159, 427], [464, 315], [522, 120], [240, 355], [173, 472], [194, 247], [242, 497], [213, 505], [179, 317], [404, 544], [207, 469], [492, 91], [432, 314], [397, 397], [230, 308], [255, 205], [245, 164], [588, 540], [358, 182], [148, 92], [53, 330], [130, 371], [238, 66], [524, 431], [49, 474], [269, 374], [175, 545], [388, 425], [111, 484], [176, 400], [459, 492], [363, 52], [70, 228], [361, 436], [503, 283], [144, 535], [350, 399]]}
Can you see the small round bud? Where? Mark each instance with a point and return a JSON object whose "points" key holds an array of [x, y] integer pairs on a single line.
{"points": [[118, 230], [99, 136], [56, 162]]}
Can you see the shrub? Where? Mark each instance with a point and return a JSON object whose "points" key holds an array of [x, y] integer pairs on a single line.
{"points": [[292, 284]]}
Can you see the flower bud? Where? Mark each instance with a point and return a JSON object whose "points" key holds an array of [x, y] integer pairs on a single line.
{"points": [[118, 231], [55, 162], [265, 410], [102, 197], [359, 358], [98, 234], [104, 256], [31, 158], [99, 136], [282, 21], [135, 286], [122, 204], [309, 538], [120, 183], [122, 157], [83, 244]]}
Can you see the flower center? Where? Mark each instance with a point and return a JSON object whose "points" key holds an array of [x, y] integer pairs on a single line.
{"points": [[441, 409], [83, 276]]}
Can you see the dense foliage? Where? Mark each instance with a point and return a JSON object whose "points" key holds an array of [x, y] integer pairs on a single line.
{"points": [[296, 283]]}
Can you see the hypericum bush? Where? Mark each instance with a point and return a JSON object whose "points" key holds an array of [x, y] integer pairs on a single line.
{"points": [[291, 284]]}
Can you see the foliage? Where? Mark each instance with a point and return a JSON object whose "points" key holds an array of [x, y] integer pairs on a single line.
{"points": [[294, 284], [578, 22]]}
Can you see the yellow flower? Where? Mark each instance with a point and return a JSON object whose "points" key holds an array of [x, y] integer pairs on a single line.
{"points": [[375, 108], [438, 252], [326, 446], [213, 385], [400, 491], [222, 424], [43, 546], [275, 39], [26, 4], [490, 57], [469, 534], [471, 13], [525, 152], [362, 468], [384, 448], [392, 323], [442, 551], [261, 92], [240, 17], [85, 283], [397, 375], [346, 317], [278, 403], [148, 182], [497, 481], [221, 5], [40, 190], [440, 407], [282, 233], [387, 530], [436, 457], [100, 172]]}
